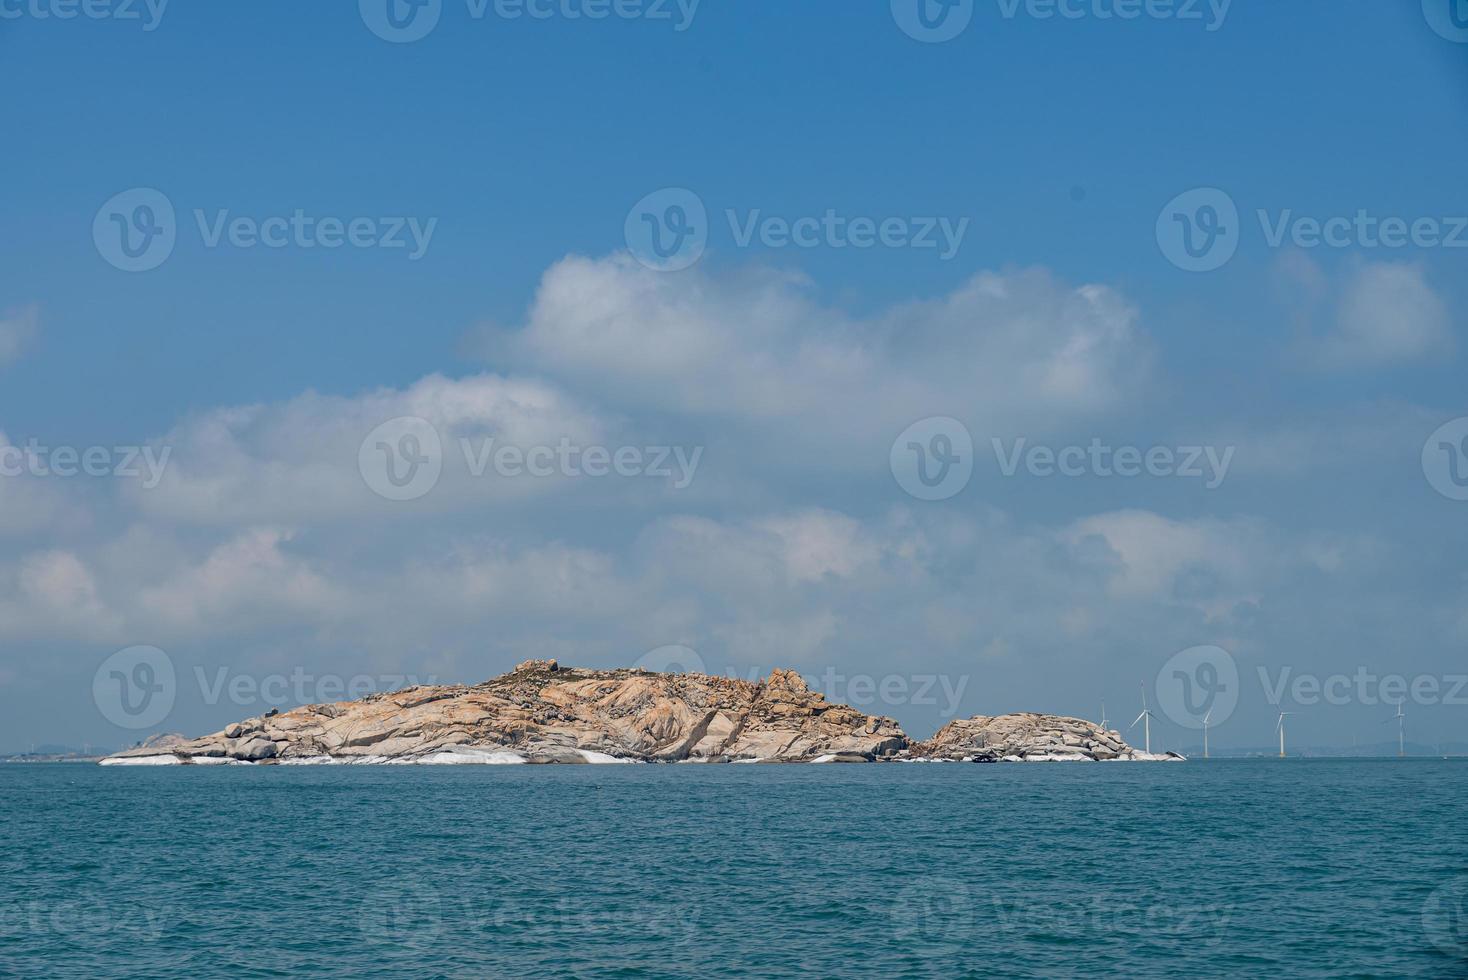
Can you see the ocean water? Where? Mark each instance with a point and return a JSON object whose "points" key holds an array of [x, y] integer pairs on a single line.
{"points": [[1238, 868]]}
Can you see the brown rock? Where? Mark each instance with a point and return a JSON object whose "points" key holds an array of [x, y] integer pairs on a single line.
{"points": [[544, 712], [550, 666], [1025, 735]]}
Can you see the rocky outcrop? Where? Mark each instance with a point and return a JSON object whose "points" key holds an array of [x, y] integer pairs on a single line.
{"points": [[542, 712], [1030, 737], [163, 740]]}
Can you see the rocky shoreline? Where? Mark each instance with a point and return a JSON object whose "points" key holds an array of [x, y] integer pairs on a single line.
{"points": [[542, 712]]}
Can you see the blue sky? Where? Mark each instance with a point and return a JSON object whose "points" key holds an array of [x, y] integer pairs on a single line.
{"points": [[1059, 320]]}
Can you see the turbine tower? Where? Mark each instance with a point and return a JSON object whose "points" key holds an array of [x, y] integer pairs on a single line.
{"points": [[1205, 732], [1103, 714], [1280, 728], [1146, 718], [1401, 718]]}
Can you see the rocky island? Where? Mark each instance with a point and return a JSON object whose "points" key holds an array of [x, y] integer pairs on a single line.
{"points": [[1030, 737], [542, 712]]}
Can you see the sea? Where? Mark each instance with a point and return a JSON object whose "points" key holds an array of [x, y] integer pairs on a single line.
{"points": [[1238, 868]]}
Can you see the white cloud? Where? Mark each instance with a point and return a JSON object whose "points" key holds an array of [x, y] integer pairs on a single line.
{"points": [[30, 505], [1389, 313], [756, 347], [764, 559], [298, 460], [17, 329], [749, 361], [1154, 554], [251, 574], [487, 578], [52, 594], [1382, 314], [59, 581], [1359, 443], [815, 545]]}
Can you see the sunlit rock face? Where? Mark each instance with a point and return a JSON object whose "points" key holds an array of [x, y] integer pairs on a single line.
{"points": [[542, 712], [1030, 737]]}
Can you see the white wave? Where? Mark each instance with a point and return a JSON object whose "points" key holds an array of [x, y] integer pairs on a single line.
{"points": [[472, 757], [447, 757], [601, 758], [143, 760]]}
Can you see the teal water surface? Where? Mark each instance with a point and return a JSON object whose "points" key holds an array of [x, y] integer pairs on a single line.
{"points": [[1243, 868]]}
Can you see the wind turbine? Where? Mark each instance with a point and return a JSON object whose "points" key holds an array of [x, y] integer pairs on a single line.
{"points": [[1401, 719], [1280, 728], [1205, 732], [1103, 714], [1146, 718]]}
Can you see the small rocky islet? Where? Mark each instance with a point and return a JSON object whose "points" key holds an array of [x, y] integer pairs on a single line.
{"points": [[542, 712]]}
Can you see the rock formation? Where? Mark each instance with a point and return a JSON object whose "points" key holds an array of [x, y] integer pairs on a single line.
{"points": [[1030, 737], [542, 712]]}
